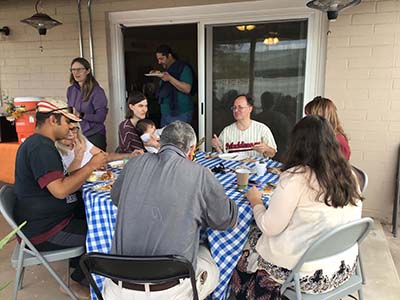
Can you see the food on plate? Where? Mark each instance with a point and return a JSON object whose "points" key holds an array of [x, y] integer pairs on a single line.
{"points": [[155, 72], [267, 189], [104, 187], [248, 160], [107, 176], [117, 164], [274, 170], [92, 177]]}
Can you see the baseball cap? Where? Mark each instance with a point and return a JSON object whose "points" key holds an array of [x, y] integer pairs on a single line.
{"points": [[55, 106]]}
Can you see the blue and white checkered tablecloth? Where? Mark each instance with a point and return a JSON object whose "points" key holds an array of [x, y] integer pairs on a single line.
{"points": [[226, 246]]}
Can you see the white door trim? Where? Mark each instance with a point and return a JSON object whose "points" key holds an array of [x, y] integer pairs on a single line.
{"points": [[203, 15]]}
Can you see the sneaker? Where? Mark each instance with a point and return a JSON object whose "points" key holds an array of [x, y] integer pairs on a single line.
{"points": [[80, 291]]}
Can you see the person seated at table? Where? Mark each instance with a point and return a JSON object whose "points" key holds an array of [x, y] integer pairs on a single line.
{"points": [[316, 192], [76, 150], [147, 130], [245, 134], [129, 138], [155, 219], [325, 107], [46, 194]]}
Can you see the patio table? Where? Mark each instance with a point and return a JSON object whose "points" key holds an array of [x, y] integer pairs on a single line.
{"points": [[226, 246]]}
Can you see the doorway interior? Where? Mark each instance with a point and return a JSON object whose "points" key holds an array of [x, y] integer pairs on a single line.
{"points": [[139, 48]]}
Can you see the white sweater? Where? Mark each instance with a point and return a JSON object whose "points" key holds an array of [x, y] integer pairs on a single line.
{"points": [[294, 219]]}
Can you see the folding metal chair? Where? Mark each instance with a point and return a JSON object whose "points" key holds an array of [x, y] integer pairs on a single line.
{"points": [[137, 269], [362, 178], [338, 240], [25, 254]]}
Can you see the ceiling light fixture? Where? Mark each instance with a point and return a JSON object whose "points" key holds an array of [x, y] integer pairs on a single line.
{"points": [[245, 27], [41, 21], [332, 7], [271, 39]]}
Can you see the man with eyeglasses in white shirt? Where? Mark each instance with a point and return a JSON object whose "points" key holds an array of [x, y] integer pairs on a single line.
{"points": [[245, 134]]}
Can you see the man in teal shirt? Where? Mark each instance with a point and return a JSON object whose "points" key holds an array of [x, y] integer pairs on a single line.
{"points": [[176, 87]]}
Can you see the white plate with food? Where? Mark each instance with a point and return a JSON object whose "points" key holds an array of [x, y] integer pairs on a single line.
{"points": [[100, 176], [232, 156], [154, 74], [117, 164], [103, 187]]}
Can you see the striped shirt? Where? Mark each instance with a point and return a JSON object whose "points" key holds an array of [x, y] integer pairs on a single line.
{"points": [[235, 140], [129, 139]]}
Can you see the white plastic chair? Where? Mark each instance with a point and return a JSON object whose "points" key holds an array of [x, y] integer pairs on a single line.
{"points": [[25, 254], [338, 240]]}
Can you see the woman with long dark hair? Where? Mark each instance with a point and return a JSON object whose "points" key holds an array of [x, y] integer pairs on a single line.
{"points": [[89, 102], [317, 192]]}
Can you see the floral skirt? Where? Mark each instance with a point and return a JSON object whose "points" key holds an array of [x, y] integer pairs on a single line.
{"points": [[256, 279]]}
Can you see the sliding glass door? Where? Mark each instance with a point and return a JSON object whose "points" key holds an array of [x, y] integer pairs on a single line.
{"points": [[266, 60]]}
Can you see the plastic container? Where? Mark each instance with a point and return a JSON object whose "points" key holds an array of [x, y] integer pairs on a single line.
{"points": [[25, 124]]}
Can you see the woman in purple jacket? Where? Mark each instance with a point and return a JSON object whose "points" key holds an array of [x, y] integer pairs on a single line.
{"points": [[89, 101]]}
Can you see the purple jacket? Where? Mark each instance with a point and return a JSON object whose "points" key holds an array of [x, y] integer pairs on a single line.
{"points": [[94, 110]]}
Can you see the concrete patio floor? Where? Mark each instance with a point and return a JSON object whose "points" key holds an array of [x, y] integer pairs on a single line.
{"points": [[381, 255]]}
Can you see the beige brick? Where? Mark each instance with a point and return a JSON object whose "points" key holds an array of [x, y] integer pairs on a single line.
{"points": [[378, 18], [387, 6], [382, 51], [386, 28], [382, 62], [363, 7], [370, 83], [337, 83], [394, 127], [395, 106], [348, 74], [337, 64], [391, 116], [379, 94], [347, 52], [372, 40], [380, 74]]}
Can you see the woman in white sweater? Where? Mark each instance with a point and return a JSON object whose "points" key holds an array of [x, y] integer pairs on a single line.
{"points": [[317, 192]]}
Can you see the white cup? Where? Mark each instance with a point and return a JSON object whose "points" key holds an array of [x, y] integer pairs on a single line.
{"points": [[260, 168]]}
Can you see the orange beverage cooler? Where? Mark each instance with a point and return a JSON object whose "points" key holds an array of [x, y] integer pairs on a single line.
{"points": [[25, 124]]}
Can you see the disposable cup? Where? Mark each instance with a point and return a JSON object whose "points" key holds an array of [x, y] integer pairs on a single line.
{"points": [[242, 178]]}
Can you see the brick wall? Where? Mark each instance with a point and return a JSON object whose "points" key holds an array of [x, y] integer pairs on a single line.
{"points": [[363, 78]]}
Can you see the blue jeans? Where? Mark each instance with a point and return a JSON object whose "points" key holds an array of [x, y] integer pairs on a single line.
{"points": [[185, 117]]}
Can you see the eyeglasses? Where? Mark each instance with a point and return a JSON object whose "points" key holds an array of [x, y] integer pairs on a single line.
{"points": [[233, 108], [77, 70]]}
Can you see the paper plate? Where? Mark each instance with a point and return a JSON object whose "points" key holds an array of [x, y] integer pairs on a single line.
{"points": [[232, 156]]}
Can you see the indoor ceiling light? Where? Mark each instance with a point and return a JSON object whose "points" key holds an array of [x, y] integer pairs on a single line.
{"points": [[245, 27], [41, 21], [271, 39], [332, 7]]}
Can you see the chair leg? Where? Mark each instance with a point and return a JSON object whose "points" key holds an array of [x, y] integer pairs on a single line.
{"points": [[56, 276], [68, 273], [21, 279], [297, 286], [361, 269], [360, 294], [18, 271]]}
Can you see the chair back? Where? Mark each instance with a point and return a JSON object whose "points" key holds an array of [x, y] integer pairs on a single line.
{"points": [[7, 204], [362, 178], [336, 241], [137, 269]]}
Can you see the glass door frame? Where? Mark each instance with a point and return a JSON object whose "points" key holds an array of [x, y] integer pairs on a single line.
{"points": [[216, 14]]}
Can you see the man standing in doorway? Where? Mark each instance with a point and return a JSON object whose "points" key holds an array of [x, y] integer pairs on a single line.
{"points": [[176, 87]]}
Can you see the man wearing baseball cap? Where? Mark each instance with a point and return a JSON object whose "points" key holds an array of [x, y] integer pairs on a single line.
{"points": [[45, 192]]}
